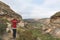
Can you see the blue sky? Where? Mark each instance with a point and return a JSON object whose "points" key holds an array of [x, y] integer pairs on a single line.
{"points": [[34, 8]]}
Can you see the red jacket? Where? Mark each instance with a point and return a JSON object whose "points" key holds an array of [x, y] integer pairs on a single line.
{"points": [[14, 23]]}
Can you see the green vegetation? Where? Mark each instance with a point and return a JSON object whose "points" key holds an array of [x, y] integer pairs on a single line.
{"points": [[2, 28], [35, 33], [39, 34]]}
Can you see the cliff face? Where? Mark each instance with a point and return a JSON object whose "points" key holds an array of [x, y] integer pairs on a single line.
{"points": [[55, 17], [6, 13], [55, 23], [5, 10]]}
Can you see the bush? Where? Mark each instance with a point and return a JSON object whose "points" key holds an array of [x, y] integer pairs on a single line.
{"points": [[2, 28]]}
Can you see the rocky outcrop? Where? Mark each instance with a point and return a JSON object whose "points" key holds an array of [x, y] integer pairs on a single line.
{"points": [[6, 13], [55, 16], [5, 10], [55, 24]]}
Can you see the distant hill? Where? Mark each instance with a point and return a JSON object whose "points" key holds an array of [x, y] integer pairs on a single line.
{"points": [[43, 20], [28, 20], [37, 23]]}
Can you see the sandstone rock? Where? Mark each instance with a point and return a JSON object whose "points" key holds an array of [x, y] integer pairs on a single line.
{"points": [[6, 11], [55, 22], [6, 14]]}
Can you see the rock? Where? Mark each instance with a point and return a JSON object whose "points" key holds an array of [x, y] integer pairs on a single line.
{"points": [[6, 11], [56, 33], [55, 22], [6, 14], [55, 17]]}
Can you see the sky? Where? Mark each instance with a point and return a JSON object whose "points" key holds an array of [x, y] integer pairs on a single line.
{"points": [[34, 8]]}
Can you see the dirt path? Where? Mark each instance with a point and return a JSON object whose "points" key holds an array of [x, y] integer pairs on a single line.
{"points": [[8, 36]]}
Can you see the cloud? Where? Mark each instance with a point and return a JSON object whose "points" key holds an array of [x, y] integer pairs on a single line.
{"points": [[34, 8], [51, 2], [47, 9], [40, 12]]}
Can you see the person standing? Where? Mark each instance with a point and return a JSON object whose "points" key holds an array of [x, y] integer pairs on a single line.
{"points": [[14, 26]]}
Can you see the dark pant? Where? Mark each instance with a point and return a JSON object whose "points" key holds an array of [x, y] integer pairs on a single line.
{"points": [[14, 33]]}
